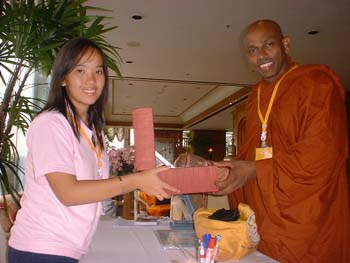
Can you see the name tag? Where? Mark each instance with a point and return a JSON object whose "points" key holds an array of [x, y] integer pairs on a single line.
{"points": [[263, 153]]}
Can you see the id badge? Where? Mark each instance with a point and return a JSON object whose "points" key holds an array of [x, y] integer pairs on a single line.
{"points": [[263, 153]]}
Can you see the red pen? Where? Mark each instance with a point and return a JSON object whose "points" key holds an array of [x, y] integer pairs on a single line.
{"points": [[209, 253], [216, 249]]}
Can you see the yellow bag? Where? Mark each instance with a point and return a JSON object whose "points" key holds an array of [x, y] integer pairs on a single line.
{"points": [[238, 238]]}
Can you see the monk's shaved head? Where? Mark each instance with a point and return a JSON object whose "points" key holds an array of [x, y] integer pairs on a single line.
{"points": [[264, 24]]}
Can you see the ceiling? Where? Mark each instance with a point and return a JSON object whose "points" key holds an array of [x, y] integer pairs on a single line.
{"points": [[183, 58]]}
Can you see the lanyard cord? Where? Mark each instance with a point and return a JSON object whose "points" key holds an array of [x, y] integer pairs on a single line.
{"points": [[97, 149], [267, 115]]}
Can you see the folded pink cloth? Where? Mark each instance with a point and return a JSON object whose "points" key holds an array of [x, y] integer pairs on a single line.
{"points": [[142, 119], [191, 180]]}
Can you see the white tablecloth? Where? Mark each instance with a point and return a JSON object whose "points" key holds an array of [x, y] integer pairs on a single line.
{"points": [[132, 244]]}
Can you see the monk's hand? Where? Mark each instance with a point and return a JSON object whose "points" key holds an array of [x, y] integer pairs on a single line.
{"points": [[233, 175]]}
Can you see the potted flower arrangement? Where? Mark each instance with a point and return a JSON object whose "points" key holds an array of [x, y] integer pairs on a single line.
{"points": [[121, 163], [122, 160]]}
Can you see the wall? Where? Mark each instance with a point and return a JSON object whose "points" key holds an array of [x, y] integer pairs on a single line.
{"points": [[238, 124], [168, 143], [203, 140]]}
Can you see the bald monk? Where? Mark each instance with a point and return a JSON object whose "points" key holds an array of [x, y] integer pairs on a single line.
{"points": [[291, 169]]}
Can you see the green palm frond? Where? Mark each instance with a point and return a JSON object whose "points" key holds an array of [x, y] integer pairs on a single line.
{"points": [[7, 187], [22, 113], [35, 30]]}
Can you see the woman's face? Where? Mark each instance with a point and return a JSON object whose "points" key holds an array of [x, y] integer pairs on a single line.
{"points": [[85, 82]]}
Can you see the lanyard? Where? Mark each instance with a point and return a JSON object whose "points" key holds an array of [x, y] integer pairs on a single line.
{"points": [[267, 115], [97, 150]]}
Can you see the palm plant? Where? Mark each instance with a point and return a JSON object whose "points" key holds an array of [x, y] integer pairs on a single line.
{"points": [[31, 33]]}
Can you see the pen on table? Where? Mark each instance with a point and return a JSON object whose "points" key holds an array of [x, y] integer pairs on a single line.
{"points": [[209, 252], [216, 249], [206, 240], [201, 252]]}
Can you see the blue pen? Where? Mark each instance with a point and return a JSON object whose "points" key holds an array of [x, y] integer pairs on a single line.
{"points": [[206, 240]]}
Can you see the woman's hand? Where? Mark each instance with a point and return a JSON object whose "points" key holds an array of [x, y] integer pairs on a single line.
{"points": [[149, 182]]}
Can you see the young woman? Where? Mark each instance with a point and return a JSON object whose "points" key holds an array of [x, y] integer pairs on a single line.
{"points": [[67, 166]]}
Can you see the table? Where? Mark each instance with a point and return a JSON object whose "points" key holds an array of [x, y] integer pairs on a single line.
{"points": [[132, 244]]}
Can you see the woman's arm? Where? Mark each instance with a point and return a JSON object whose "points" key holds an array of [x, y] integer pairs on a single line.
{"points": [[71, 191]]}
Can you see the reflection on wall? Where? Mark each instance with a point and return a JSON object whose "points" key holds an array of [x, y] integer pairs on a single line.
{"points": [[239, 120], [166, 149], [115, 137], [209, 144], [168, 143]]}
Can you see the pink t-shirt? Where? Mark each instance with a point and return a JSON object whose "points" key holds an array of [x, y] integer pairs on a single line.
{"points": [[44, 224]]}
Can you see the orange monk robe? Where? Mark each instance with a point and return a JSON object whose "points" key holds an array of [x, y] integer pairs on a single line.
{"points": [[300, 196]]}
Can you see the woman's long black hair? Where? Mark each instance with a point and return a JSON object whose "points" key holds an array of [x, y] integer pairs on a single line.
{"points": [[67, 58]]}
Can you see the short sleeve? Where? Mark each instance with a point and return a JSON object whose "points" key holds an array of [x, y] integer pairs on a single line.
{"points": [[50, 144]]}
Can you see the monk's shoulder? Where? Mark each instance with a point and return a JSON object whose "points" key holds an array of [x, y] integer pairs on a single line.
{"points": [[316, 72], [313, 76]]}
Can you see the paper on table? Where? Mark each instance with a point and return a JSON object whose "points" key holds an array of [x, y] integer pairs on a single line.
{"points": [[146, 221], [122, 222], [176, 238], [191, 179], [142, 119]]}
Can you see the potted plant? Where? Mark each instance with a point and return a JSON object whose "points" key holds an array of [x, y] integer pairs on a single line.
{"points": [[31, 33]]}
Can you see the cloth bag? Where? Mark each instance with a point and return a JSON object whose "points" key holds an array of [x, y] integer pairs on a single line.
{"points": [[238, 238]]}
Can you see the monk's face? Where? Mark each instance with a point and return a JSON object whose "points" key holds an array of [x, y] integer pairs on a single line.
{"points": [[266, 50]]}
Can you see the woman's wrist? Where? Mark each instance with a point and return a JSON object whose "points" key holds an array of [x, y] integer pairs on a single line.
{"points": [[127, 183]]}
